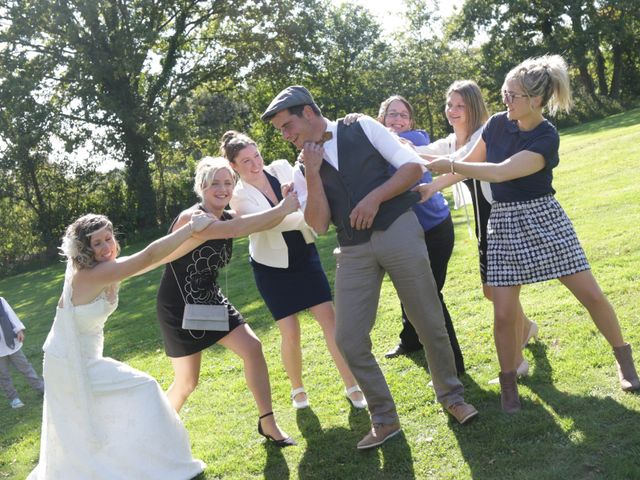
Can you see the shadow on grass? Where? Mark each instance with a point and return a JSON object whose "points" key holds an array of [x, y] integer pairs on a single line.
{"points": [[276, 467], [332, 453], [556, 435]]}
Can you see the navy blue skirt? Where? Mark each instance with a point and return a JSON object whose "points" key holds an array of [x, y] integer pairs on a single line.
{"points": [[290, 290]]}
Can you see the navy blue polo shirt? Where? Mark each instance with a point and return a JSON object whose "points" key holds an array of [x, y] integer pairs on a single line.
{"points": [[504, 139]]}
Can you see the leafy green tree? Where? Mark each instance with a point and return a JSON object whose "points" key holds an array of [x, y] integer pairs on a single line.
{"points": [[598, 38], [119, 67]]}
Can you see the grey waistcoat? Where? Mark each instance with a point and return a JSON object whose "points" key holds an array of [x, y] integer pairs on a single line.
{"points": [[361, 169]]}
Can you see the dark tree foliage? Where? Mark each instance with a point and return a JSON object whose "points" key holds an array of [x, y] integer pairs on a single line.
{"points": [[155, 83]]}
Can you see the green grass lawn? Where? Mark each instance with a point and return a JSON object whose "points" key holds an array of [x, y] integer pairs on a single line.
{"points": [[575, 421]]}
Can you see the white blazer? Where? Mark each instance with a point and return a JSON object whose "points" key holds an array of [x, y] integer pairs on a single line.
{"points": [[268, 247]]}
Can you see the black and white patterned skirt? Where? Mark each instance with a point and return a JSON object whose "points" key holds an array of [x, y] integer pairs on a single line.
{"points": [[531, 241]]}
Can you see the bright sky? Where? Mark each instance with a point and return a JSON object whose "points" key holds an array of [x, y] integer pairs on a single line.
{"points": [[389, 13]]}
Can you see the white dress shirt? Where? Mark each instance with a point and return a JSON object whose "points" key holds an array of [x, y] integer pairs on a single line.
{"points": [[447, 146], [386, 142]]}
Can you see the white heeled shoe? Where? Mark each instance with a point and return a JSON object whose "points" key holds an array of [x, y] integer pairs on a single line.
{"points": [[302, 403], [356, 403], [521, 371], [533, 333]]}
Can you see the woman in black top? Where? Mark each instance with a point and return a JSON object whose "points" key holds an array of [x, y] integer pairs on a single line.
{"points": [[192, 277]]}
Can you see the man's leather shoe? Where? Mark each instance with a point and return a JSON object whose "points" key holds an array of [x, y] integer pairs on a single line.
{"points": [[380, 433], [462, 412]]}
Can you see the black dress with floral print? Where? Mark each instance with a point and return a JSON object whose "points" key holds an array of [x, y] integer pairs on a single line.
{"points": [[196, 280]]}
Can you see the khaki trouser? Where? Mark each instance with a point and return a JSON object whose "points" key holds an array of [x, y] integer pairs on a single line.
{"points": [[401, 252], [21, 363]]}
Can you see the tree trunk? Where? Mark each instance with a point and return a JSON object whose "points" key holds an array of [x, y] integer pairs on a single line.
{"points": [[601, 73], [37, 202], [162, 188], [579, 50], [614, 91], [429, 116], [141, 196]]}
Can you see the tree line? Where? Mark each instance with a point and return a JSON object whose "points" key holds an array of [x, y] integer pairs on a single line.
{"points": [[155, 83]]}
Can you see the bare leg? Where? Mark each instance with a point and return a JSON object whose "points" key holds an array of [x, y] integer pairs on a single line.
{"points": [[585, 288], [186, 372], [326, 317], [291, 352], [242, 341], [505, 308], [523, 324]]}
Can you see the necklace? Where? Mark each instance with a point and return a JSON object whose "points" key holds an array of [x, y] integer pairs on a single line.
{"points": [[265, 187]]}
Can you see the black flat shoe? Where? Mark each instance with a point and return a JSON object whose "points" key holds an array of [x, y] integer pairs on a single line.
{"points": [[283, 442]]}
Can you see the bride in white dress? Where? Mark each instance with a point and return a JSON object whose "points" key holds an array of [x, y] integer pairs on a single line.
{"points": [[103, 419]]}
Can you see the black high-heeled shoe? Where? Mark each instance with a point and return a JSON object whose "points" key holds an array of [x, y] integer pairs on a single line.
{"points": [[284, 442]]}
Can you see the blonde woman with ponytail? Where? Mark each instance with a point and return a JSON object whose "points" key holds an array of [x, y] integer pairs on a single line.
{"points": [[530, 238]]}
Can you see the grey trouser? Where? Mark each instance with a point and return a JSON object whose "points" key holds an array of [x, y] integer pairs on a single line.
{"points": [[21, 363], [401, 252]]}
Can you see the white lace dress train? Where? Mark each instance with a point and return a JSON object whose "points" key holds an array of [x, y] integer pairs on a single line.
{"points": [[103, 419]]}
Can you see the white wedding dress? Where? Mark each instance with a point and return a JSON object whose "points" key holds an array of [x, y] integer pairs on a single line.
{"points": [[101, 418]]}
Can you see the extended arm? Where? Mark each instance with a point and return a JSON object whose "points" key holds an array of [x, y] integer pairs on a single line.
{"points": [[427, 190], [243, 204], [519, 165], [89, 282]]}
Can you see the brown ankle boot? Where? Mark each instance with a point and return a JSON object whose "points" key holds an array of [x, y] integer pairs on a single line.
{"points": [[626, 369], [509, 392]]}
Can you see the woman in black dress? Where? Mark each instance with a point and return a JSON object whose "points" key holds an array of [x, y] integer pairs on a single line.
{"points": [[192, 277], [286, 264]]}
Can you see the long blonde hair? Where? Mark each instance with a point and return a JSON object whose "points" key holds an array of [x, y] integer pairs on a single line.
{"points": [[546, 77]]}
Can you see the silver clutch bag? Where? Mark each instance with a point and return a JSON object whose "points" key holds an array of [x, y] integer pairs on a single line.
{"points": [[205, 317]]}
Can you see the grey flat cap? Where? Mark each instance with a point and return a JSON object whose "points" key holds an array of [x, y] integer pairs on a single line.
{"points": [[287, 98]]}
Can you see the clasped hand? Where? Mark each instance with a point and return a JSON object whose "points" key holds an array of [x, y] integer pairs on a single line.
{"points": [[290, 202], [426, 191], [439, 165], [200, 220]]}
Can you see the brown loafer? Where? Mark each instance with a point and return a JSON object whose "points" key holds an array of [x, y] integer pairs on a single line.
{"points": [[462, 412], [380, 433]]}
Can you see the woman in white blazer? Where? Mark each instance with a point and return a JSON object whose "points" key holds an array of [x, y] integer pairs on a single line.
{"points": [[285, 262]]}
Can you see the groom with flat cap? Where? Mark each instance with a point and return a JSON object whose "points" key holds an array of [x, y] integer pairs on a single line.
{"points": [[346, 181]]}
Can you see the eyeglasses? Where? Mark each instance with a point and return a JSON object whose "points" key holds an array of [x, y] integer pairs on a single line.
{"points": [[402, 115], [510, 97]]}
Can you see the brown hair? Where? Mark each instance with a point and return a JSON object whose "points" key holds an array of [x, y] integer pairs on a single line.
{"points": [[384, 106], [232, 142], [476, 110]]}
